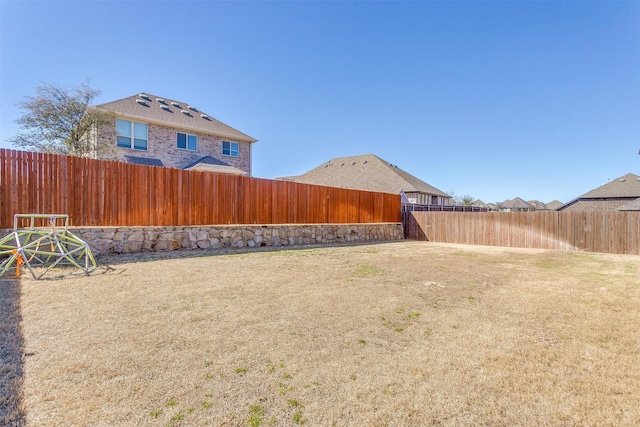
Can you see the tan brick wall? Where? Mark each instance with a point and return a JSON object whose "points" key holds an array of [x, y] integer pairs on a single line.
{"points": [[162, 145]]}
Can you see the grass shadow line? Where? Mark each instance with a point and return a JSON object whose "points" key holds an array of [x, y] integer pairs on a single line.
{"points": [[12, 408], [126, 258]]}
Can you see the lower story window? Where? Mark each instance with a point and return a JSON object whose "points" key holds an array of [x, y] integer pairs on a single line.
{"points": [[230, 148], [131, 134], [187, 142]]}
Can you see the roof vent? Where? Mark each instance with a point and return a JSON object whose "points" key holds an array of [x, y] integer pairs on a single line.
{"points": [[175, 104], [364, 163], [204, 116], [353, 163], [141, 102], [621, 180], [192, 108], [143, 96], [165, 107], [185, 112], [160, 100], [341, 164]]}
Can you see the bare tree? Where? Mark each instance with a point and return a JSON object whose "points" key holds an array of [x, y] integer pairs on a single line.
{"points": [[467, 200], [62, 121]]}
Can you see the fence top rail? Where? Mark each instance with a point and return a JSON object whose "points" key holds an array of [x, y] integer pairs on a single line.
{"points": [[53, 220]]}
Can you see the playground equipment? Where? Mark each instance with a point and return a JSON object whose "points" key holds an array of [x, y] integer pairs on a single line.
{"points": [[44, 247]]}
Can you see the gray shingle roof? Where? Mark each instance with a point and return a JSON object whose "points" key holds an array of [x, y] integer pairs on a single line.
{"points": [[211, 164], [553, 205], [168, 112], [366, 172], [625, 186], [517, 203], [633, 206], [143, 161]]}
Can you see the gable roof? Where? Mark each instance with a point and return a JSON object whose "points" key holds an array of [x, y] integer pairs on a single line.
{"points": [[365, 172], [625, 186], [632, 206], [516, 203], [211, 164], [168, 112], [554, 204], [143, 161], [537, 204]]}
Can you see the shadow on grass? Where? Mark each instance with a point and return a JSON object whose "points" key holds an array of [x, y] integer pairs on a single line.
{"points": [[12, 410], [126, 258]]}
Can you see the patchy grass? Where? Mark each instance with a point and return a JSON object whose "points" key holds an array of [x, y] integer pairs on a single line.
{"points": [[405, 333], [368, 270]]}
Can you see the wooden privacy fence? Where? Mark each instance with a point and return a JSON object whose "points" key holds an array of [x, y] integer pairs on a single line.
{"points": [[107, 193], [610, 232]]}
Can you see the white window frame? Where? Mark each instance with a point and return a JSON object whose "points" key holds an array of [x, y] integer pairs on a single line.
{"points": [[132, 135]]}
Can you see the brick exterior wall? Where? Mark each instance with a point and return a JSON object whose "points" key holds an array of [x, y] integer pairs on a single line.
{"points": [[162, 145]]}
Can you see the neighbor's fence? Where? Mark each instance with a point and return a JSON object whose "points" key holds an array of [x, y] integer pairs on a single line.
{"points": [[610, 232], [410, 207], [107, 193]]}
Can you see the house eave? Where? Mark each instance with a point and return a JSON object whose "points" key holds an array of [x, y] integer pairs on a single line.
{"points": [[222, 135]]}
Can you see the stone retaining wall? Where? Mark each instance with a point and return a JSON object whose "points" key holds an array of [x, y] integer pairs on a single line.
{"points": [[104, 240]]}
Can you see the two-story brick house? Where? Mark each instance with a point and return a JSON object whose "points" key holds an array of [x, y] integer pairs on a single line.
{"points": [[157, 131]]}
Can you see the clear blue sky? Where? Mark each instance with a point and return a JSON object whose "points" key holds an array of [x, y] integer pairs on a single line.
{"points": [[493, 99]]}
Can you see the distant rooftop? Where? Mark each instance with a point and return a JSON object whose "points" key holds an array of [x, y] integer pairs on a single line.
{"points": [[365, 172]]}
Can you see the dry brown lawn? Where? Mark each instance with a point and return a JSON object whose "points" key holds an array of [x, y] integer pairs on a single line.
{"points": [[394, 334]]}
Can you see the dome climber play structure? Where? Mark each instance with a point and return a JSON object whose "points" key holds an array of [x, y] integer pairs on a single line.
{"points": [[39, 248]]}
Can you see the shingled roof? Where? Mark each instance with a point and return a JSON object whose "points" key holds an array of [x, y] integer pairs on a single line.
{"points": [[554, 204], [633, 206], [625, 186], [517, 203], [211, 164], [366, 172], [143, 161], [168, 112]]}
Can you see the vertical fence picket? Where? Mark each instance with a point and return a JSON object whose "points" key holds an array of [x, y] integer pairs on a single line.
{"points": [[107, 193], [609, 232]]}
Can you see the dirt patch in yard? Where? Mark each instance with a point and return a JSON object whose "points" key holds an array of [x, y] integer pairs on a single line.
{"points": [[404, 333]]}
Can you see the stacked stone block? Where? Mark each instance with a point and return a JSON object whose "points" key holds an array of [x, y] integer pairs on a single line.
{"points": [[105, 240]]}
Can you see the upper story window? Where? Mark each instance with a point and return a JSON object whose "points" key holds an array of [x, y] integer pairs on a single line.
{"points": [[131, 134], [187, 142], [230, 148]]}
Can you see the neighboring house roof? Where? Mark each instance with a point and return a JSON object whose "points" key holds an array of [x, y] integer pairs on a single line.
{"points": [[211, 164], [143, 161], [632, 206], [553, 205], [625, 186], [168, 112], [365, 172], [516, 203], [537, 204]]}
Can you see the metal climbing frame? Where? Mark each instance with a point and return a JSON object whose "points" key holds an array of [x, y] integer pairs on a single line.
{"points": [[45, 248]]}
